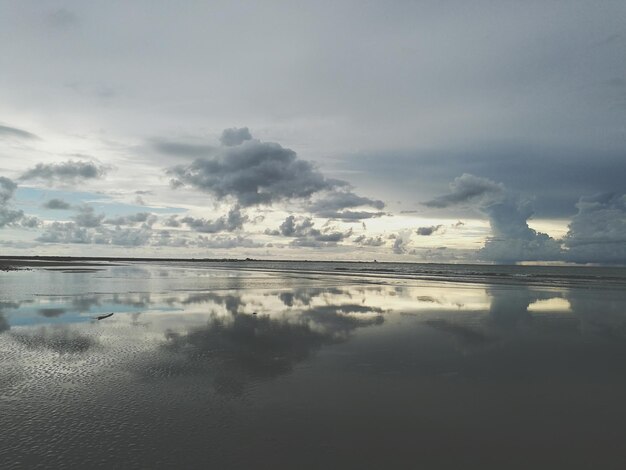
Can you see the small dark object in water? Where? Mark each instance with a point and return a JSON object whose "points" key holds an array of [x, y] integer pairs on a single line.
{"points": [[253, 313], [102, 317]]}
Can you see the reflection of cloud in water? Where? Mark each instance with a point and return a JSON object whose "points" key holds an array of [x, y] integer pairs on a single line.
{"points": [[4, 324], [51, 312], [600, 313], [341, 318], [59, 338], [84, 303], [232, 303], [509, 307], [232, 350], [466, 335], [137, 300], [305, 296]]}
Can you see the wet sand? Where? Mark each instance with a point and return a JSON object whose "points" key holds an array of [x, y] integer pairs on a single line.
{"points": [[240, 367]]}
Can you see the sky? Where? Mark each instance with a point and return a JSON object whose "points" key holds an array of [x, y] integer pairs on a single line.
{"points": [[481, 132]]}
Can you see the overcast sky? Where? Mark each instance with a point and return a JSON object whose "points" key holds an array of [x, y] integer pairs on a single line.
{"points": [[409, 131]]}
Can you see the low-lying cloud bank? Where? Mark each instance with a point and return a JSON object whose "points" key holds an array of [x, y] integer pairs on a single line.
{"points": [[597, 233]]}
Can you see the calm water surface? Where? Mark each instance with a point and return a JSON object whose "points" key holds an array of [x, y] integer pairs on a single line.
{"points": [[312, 366]]}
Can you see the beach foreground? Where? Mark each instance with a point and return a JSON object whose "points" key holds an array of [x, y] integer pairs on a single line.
{"points": [[311, 365]]}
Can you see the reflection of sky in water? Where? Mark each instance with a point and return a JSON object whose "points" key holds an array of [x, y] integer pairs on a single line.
{"points": [[298, 363]]}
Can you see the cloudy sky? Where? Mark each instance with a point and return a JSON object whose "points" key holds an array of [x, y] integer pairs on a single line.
{"points": [[408, 131]]}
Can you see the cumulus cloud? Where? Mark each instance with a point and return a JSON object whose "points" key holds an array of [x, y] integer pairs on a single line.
{"points": [[145, 218], [428, 231], [7, 215], [72, 233], [597, 234], [87, 217], [165, 238], [29, 221], [65, 232], [7, 189], [235, 136], [369, 241], [171, 221], [56, 204], [305, 234], [65, 172], [12, 132], [399, 247], [225, 242], [512, 239], [125, 237], [253, 173], [234, 220]]}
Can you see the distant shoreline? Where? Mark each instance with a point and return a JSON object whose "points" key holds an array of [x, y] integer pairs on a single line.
{"points": [[7, 261]]}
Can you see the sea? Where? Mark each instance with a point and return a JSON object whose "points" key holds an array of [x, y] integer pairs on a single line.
{"points": [[298, 365]]}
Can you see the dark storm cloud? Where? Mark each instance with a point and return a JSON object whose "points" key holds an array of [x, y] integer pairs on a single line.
{"points": [[597, 234], [235, 136], [56, 204], [333, 204], [554, 177], [427, 231], [512, 239], [234, 220], [6, 131], [65, 172], [467, 188], [253, 173], [337, 200]]}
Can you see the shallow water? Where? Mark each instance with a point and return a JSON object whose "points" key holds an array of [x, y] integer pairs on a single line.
{"points": [[310, 366]]}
